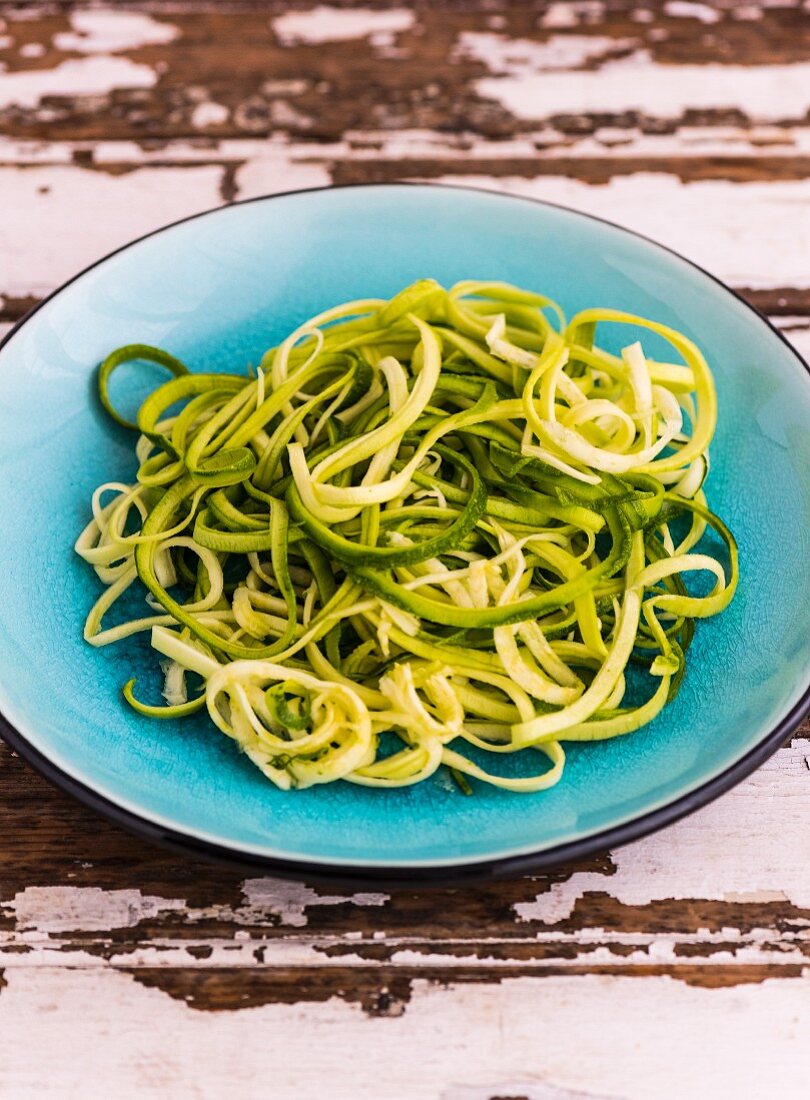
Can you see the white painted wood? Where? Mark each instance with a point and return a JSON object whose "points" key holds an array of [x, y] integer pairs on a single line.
{"points": [[530, 80], [638, 83], [536, 1037], [520, 57], [329, 24], [750, 846], [84, 76], [47, 910], [534, 144], [109, 31], [275, 168], [750, 234], [290, 900], [534, 80], [100, 35], [579, 953], [686, 9], [756, 141], [67, 217]]}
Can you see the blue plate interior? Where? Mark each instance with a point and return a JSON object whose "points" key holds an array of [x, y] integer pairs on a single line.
{"points": [[217, 291]]}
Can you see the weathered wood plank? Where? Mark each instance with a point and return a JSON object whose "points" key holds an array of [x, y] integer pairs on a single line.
{"points": [[685, 120], [739, 231], [155, 77], [262, 69], [561, 1037], [754, 235], [725, 887]]}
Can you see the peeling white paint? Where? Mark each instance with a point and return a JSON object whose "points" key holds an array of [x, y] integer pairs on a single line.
{"points": [[662, 950], [750, 234], [32, 49], [290, 87], [505, 56], [687, 142], [638, 83], [289, 900], [45, 909], [755, 897], [760, 142], [328, 24], [28, 152], [745, 849], [686, 9], [747, 846], [276, 167], [612, 1037], [561, 14], [579, 950], [209, 114], [104, 30], [66, 217], [284, 116], [81, 77]]}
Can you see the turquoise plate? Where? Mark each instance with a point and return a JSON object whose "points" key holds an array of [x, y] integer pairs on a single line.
{"points": [[217, 290]]}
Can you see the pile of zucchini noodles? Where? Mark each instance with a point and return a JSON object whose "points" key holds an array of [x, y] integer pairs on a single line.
{"points": [[449, 517]]}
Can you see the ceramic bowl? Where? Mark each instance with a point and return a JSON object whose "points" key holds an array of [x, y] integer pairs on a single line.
{"points": [[217, 290]]}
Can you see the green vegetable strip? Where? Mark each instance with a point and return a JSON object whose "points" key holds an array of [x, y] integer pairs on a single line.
{"points": [[132, 353], [451, 517]]}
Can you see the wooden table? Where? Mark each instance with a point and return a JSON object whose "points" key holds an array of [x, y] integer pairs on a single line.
{"points": [[675, 967]]}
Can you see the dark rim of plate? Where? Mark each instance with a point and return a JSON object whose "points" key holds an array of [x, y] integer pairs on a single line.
{"points": [[404, 875]]}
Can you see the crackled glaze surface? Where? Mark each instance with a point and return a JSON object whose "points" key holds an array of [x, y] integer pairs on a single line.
{"points": [[656, 965]]}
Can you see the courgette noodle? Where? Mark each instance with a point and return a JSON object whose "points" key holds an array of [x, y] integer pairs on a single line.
{"points": [[451, 517]]}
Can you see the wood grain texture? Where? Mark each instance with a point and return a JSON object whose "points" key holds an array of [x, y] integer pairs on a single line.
{"points": [[656, 969]]}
